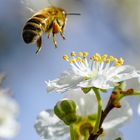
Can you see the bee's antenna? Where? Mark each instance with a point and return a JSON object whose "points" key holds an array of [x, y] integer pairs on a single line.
{"points": [[76, 14]]}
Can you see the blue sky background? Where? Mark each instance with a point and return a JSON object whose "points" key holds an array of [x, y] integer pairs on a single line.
{"points": [[101, 28]]}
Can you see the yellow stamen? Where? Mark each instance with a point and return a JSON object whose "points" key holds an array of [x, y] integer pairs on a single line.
{"points": [[80, 54], [83, 62], [65, 57], [115, 60], [121, 61], [117, 64], [85, 54], [78, 59], [72, 61], [111, 57], [104, 57], [73, 54], [99, 59], [97, 54], [107, 61], [95, 58]]}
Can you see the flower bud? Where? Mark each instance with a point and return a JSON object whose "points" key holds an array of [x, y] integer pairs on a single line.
{"points": [[66, 111]]}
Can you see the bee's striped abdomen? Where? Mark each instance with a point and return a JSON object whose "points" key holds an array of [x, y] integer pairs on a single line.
{"points": [[34, 28]]}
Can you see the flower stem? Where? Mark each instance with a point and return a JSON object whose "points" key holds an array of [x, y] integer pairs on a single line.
{"points": [[71, 132], [86, 135], [99, 113], [136, 92]]}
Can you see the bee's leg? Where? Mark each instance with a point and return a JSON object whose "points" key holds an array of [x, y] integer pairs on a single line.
{"points": [[39, 45], [54, 40], [62, 35], [49, 32], [61, 30]]}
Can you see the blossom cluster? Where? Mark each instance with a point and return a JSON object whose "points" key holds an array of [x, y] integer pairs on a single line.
{"points": [[82, 114]]}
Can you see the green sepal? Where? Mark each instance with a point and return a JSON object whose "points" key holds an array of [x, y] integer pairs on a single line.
{"points": [[118, 138], [92, 117], [120, 86], [103, 90], [86, 90]]}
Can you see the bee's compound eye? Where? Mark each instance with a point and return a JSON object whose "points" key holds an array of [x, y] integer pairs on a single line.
{"points": [[28, 36]]}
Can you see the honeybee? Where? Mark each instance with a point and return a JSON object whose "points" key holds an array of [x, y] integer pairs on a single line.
{"points": [[50, 20]]}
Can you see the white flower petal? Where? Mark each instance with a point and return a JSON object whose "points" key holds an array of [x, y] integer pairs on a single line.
{"points": [[92, 73], [139, 109], [86, 103], [118, 116], [66, 81], [98, 82], [111, 135], [49, 126], [8, 113], [124, 73], [7, 103], [9, 128]]}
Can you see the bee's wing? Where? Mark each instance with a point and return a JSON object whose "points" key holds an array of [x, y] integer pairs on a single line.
{"points": [[27, 9]]}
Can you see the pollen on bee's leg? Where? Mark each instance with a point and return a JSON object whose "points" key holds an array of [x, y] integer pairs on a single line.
{"points": [[39, 45], [56, 28]]}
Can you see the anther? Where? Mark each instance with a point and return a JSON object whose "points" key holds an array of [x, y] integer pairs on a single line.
{"points": [[111, 57], [73, 54], [104, 57], [115, 60], [95, 58], [78, 59], [65, 57], [107, 61], [72, 61], [85, 54], [98, 57], [80, 54], [117, 64], [97, 54], [121, 61]]}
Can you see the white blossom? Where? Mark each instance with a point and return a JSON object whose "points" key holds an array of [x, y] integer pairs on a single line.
{"points": [[139, 109], [48, 126], [100, 71], [8, 113]]}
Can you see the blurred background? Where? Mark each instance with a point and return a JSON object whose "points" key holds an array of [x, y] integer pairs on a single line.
{"points": [[105, 26]]}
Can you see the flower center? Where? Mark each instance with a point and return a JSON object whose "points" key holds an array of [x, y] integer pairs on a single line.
{"points": [[96, 58], [89, 67]]}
